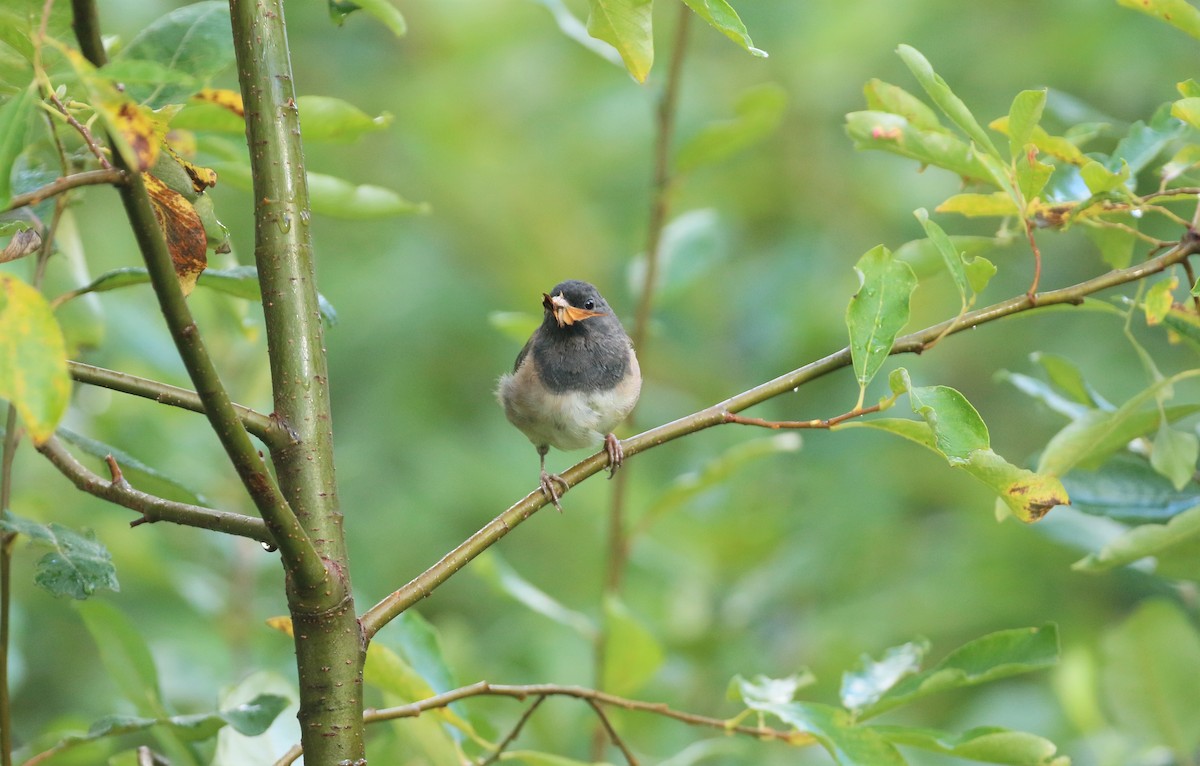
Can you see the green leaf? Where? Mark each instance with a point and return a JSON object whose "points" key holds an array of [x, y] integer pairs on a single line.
{"points": [[534, 758], [765, 690], [721, 16], [1188, 110], [1126, 488], [1027, 495], [1174, 455], [758, 112], [77, 564], [336, 197], [627, 26], [692, 244], [950, 257], [247, 706], [974, 205], [885, 97], [331, 119], [1159, 299], [632, 653], [1032, 175], [1068, 378], [893, 133], [576, 30], [878, 311], [383, 11], [238, 281], [1142, 541], [864, 686], [125, 656], [957, 428], [33, 358], [950, 104], [835, 729], [1178, 13], [251, 719], [1151, 662], [14, 124], [1043, 392], [141, 475], [926, 259], [195, 41], [714, 473], [1115, 245], [991, 657], [501, 576], [1092, 438], [987, 744], [1100, 179], [421, 647], [514, 325], [1023, 117]]}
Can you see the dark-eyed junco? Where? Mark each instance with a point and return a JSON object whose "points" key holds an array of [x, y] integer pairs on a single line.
{"points": [[576, 379]]}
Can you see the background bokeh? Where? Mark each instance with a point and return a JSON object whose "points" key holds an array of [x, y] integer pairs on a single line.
{"points": [[534, 154]]}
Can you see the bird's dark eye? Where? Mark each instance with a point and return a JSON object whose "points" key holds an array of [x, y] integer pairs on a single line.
{"points": [[589, 304]]}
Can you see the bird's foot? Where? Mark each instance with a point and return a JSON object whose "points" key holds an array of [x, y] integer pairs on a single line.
{"points": [[616, 453], [548, 480]]}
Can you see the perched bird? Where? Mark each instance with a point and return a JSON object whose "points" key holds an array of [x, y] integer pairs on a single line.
{"points": [[576, 379]]}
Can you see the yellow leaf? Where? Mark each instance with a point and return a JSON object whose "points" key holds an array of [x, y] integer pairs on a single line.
{"points": [[183, 230], [228, 99], [33, 358]]}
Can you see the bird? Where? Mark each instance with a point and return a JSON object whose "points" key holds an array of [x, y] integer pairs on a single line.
{"points": [[576, 378]]}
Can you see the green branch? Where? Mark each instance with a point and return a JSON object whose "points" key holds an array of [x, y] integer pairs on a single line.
{"points": [[330, 647], [151, 507], [307, 567], [424, 584], [263, 426]]}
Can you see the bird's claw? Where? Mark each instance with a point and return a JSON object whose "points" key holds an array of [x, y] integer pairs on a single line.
{"points": [[616, 453], [548, 480]]}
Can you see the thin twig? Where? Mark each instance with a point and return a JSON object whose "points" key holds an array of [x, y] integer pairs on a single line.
{"points": [[525, 691], [81, 129], [731, 417], [66, 183], [612, 733], [151, 507], [11, 436], [425, 583], [660, 205], [512, 735], [263, 426]]}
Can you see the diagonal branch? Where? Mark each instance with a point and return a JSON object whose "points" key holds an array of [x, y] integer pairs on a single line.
{"points": [[424, 584], [66, 183], [263, 426], [151, 507], [294, 544]]}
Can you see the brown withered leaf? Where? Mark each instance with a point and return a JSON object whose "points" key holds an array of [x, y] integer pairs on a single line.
{"points": [[228, 99], [182, 229], [22, 244]]}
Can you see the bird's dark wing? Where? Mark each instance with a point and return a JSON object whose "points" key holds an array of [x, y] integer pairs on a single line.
{"points": [[524, 352]]}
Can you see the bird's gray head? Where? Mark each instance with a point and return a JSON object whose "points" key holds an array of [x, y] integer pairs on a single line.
{"points": [[570, 304]]}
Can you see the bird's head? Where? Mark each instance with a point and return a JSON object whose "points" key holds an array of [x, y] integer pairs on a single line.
{"points": [[573, 301]]}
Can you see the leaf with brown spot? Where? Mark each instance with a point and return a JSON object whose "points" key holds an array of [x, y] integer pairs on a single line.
{"points": [[139, 133], [183, 230], [227, 99], [201, 177]]}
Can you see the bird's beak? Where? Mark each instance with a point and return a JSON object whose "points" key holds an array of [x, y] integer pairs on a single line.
{"points": [[564, 313]]}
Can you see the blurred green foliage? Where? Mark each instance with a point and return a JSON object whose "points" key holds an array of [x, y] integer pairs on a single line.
{"points": [[533, 156]]}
